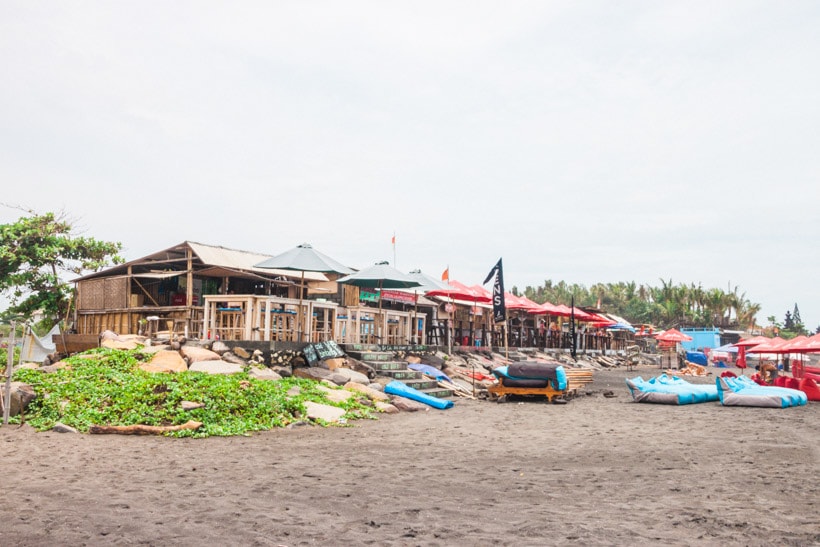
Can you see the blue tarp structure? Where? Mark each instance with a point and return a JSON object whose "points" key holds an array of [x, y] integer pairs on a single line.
{"points": [[697, 357], [730, 348]]}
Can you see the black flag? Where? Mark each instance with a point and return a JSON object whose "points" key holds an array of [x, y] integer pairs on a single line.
{"points": [[572, 334], [499, 308]]}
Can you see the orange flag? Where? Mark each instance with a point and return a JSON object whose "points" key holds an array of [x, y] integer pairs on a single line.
{"points": [[445, 275]]}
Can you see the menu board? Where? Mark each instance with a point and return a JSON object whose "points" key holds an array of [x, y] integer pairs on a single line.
{"points": [[322, 350]]}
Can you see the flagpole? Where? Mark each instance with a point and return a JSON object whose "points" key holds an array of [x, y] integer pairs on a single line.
{"points": [[394, 249]]}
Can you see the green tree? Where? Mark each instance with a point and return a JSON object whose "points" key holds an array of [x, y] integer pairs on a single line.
{"points": [[36, 251]]}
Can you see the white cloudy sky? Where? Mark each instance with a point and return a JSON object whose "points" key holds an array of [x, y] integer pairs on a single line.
{"points": [[580, 141]]}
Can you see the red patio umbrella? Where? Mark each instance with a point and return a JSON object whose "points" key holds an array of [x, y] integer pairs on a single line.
{"points": [[460, 291], [532, 306], [770, 346], [548, 309], [743, 345], [672, 335], [513, 302]]}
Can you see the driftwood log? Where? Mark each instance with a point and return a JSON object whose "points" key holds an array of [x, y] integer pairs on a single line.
{"points": [[140, 429]]}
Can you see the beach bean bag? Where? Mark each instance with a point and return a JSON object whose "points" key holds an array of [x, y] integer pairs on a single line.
{"points": [[555, 376], [810, 388], [743, 391], [670, 390]]}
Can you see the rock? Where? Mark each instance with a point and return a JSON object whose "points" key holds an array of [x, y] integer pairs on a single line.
{"points": [[241, 352], [335, 395], [335, 362], [377, 386], [387, 408], [190, 405], [312, 373], [231, 357], [30, 366], [21, 395], [165, 361], [381, 381], [353, 376], [263, 374], [413, 359], [295, 391], [316, 411], [150, 350], [215, 367], [338, 379], [112, 340], [62, 428], [116, 344], [371, 393], [220, 347], [194, 354], [284, 372], [359, 366], [408, 405], [55, 367]]}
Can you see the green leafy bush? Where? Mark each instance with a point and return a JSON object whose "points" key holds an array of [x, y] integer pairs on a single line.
{"points": [[106, 387]]}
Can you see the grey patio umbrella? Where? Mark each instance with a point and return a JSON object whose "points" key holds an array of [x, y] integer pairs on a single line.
{"points": [[304, 258], [380, 275]]}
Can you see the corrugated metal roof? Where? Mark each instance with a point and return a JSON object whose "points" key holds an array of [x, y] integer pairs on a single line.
{"points": [[244, 260], [208, 255]]}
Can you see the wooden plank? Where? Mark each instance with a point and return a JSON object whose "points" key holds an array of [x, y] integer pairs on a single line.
{"points": [[75, 343]]}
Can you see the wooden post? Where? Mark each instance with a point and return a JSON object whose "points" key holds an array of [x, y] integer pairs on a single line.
{"points": [[9, 369], [189, 292]]}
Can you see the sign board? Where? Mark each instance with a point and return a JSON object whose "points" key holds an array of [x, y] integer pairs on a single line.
{"points": [[321, 350]]}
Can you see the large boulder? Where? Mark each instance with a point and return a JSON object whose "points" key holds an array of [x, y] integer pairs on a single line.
{"points": [[112, 340], [371, 393], [335, 395], [217, 366], [352, 376], [194, 354], [231, 357], [21, 395], [312, 373], [316, 411], [165, 361], [408, 405], [263, 374]]}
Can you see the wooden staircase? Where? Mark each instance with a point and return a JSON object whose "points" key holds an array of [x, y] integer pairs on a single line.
{"points": [[384, 364]]}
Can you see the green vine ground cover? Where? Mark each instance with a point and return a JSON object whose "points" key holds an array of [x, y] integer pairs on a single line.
{"points": [[106, 387]]}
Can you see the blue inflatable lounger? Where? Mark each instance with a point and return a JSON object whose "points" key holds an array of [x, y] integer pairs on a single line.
{"points": [[403, 390], [743, 391], [548, 379], [670, 390]]}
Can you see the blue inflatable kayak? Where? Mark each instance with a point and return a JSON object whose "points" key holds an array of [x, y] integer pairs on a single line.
{"points": [[397, 388]]}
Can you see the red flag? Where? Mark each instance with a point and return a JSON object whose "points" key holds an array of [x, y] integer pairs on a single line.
{"points": [[445, 275], [393, 240]]}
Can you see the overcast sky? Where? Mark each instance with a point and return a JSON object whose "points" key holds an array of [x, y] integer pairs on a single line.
{"points": [[581, 141]]}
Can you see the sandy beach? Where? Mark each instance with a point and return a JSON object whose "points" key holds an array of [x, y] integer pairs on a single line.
{"points": [[596, 471]]}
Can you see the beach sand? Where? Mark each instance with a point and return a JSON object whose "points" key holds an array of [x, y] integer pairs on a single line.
{"points": [[596, 471]]}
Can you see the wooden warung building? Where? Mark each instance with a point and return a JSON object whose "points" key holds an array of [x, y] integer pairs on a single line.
{"points": [[211, 292]]}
